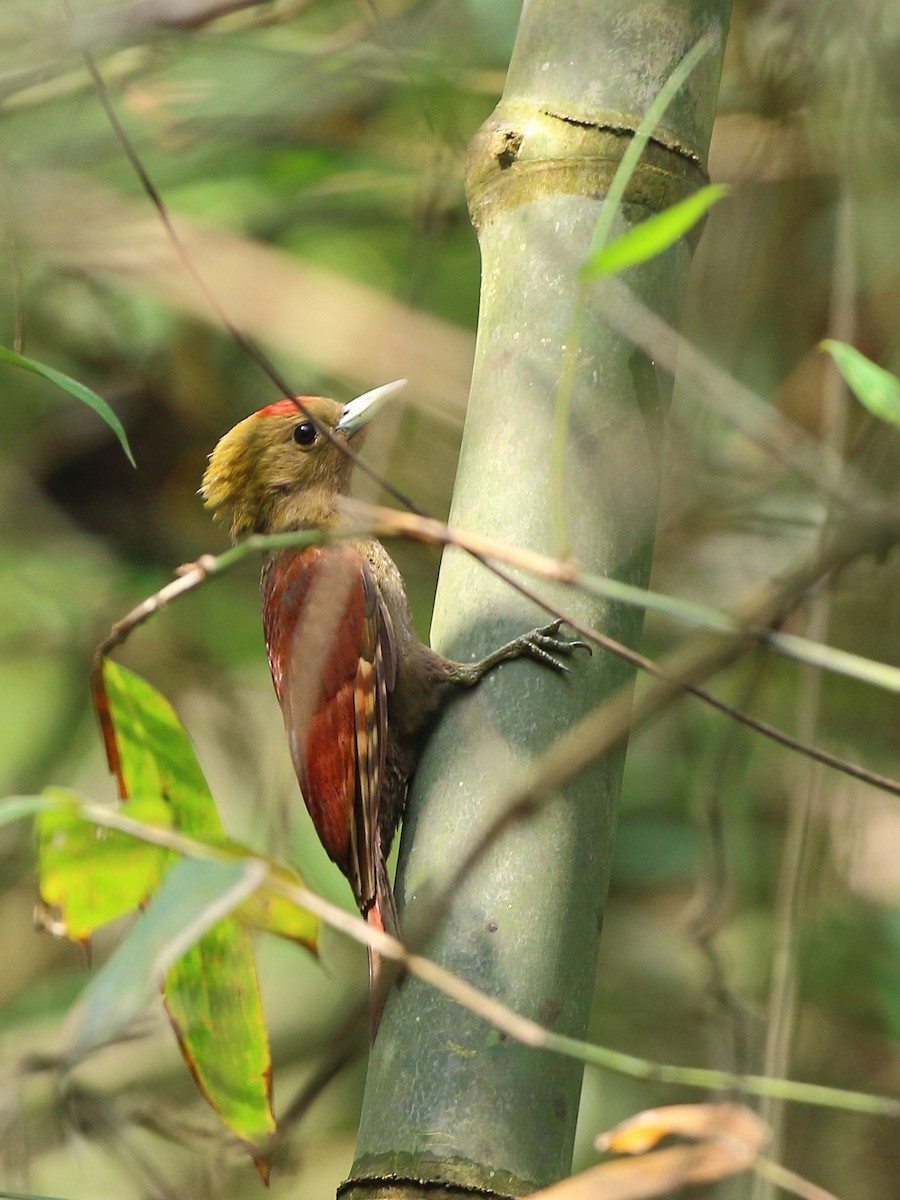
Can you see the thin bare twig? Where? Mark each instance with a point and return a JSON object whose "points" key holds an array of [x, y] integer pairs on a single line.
{"points": [[611, 723], [790, 1181], [598, 732], [708, 909], [246, 343], [426, 529], [529, 1032], [387, 521]]}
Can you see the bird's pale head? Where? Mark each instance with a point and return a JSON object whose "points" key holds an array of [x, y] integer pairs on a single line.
{"points": [[278, 469]]}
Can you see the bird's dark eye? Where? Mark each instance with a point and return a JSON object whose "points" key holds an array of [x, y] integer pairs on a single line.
{"points": [[305, 434]]}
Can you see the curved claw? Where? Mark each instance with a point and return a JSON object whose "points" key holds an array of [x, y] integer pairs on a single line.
{"points": [[548, 637], [542, 654], [543, 643]]}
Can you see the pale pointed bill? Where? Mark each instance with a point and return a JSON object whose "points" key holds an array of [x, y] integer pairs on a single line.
{"points": [[360, 411]]}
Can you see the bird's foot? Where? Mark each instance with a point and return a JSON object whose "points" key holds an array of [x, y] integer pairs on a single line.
{"points": [[545, 645]]}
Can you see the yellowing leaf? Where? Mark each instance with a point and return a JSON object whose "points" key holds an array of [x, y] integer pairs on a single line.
{"points": [[211, 990], [89, 875], [150, 753], [276, 914], [213, 1000], [188, 939]]}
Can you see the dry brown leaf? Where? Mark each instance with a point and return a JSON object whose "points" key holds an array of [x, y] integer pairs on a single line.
{"points": [[727, 1139], [733, 1123]]}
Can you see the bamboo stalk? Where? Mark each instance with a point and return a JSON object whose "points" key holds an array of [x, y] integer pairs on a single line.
{"points": [[451, 1108]]}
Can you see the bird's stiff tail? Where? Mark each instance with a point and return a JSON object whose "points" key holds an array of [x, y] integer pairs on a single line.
{"points": [[382, 915]]}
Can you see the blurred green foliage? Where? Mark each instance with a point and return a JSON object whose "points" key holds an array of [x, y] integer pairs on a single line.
{"points": [[335, 133]]}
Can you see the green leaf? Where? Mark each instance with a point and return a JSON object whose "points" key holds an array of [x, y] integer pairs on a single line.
{"points": [[149, 751], [212, 991], [653, 236], [150, 754], [90, 875], [874, 387], [74, 388], [637, 144], [213, 1000], [273, 913], [195, 895]]}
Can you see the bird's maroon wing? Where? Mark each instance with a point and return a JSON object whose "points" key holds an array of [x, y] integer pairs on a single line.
{"points": [[331, 650]]}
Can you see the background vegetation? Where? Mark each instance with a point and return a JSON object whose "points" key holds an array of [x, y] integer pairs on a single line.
{"points": [[316, 153]]}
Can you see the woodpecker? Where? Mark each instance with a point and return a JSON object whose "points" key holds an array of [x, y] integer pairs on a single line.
{"points": [[357, 688]]}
